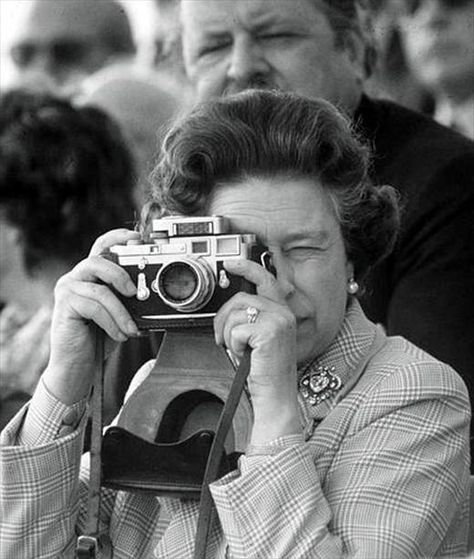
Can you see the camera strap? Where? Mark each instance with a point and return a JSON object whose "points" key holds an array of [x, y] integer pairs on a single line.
{"points": [[215, 455], [92, 541]]}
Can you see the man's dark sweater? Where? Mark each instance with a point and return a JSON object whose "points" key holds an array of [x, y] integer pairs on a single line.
{"points": [[424, 290]]}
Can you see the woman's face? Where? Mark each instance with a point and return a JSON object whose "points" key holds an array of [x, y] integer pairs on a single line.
{"points": [[294, 218]]}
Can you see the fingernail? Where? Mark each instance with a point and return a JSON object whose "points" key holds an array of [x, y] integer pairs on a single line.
{"points": [[232, 263], [131, 288], [132, 328]]}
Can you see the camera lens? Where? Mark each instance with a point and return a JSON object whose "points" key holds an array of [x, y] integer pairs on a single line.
{"points": [[185, 285], [178, 282]]}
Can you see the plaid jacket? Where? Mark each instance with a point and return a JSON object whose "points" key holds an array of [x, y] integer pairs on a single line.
{"points": [[383, 473]]}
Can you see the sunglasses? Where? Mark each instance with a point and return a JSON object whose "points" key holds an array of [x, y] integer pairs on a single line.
{"points": [[62, 53], [414, 5]]}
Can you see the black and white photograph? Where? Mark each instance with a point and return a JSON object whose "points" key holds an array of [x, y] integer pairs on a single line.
{"points": [[236, 279]]}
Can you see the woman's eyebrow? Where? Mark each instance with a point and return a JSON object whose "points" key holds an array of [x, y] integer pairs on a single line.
{"points": [[320, 236]]}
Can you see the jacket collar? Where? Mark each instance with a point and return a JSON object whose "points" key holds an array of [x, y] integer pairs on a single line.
{"points": [[350, 347]]}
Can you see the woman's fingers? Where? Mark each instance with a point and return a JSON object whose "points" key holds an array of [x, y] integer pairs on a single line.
{"points": [[96, 268], [97, 303], [89, 292], [240, 302], [266, 283], [111, 238], [234, 319], [221, 321]]}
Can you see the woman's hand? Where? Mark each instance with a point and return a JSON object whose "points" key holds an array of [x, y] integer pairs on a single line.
{"points": [[83, 299], [272, 337]]}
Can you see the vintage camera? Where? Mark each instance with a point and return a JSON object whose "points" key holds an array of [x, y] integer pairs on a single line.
{"points": [[180, 275]]}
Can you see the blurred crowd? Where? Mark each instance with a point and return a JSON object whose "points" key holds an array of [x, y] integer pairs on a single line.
{"points": [[426, 58], [425, 50], [84, 53]]}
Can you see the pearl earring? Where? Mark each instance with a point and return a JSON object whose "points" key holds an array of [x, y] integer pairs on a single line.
{"points": [[352, 286]]}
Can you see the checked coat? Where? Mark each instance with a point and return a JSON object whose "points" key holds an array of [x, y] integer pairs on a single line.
{"points": [[382, 472]]}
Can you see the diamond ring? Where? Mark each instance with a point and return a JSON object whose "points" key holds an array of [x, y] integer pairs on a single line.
{"points": [[252, 314]]}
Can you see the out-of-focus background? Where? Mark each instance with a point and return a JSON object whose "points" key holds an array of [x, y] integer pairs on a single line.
{"points": [[142, 13]]}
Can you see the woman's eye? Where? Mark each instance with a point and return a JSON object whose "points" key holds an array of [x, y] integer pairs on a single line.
{"points": [[301, 252]]}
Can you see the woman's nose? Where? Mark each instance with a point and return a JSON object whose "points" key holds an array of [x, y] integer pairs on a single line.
{"points": [[284, 276]]}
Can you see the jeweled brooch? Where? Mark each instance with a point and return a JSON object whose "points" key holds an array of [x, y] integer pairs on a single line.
{"points": [[319, 385]]}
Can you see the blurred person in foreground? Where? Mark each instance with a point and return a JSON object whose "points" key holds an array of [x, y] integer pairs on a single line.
{"points": [[438, 38], [65, 177], [59, 42], [143, 102], [376, 464], [321, 48]]}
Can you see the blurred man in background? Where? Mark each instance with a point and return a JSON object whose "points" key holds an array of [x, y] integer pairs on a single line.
{"points": [[438, 36], [392, 77], [167, 33], [59, 42]]}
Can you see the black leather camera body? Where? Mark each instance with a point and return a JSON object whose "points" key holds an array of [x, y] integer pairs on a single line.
{"points": [[180, 276]]}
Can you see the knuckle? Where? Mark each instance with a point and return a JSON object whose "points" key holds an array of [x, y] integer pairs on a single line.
{"points": [[234, 336], [95, 310], [99, 290], [81, 266], [62, 286], [290, 320], [238, 299], [271, 281], [282, 322], [125, 279]]}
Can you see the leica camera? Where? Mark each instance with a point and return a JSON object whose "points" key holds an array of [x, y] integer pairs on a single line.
{"points": [[180, 276]]}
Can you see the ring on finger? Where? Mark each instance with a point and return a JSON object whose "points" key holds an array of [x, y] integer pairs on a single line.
{"points": [[252, 314]]}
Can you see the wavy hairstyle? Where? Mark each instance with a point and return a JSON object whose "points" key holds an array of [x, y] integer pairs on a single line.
{"points": [[66, 175], [263, 134]]}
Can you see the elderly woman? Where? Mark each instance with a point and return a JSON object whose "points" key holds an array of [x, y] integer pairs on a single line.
{"points": [[374, 465]]}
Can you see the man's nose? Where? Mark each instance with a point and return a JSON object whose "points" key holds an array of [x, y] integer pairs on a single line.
{"points": [[247, 61], [43, 62]]}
